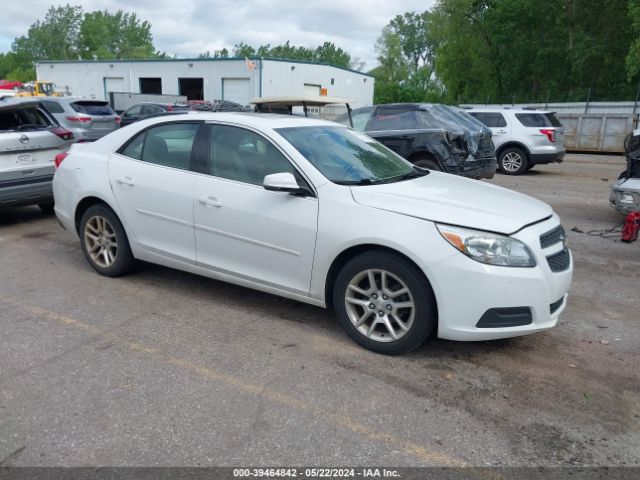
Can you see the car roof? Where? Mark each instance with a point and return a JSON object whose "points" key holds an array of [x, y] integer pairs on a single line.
{"points": [[265, 121]]}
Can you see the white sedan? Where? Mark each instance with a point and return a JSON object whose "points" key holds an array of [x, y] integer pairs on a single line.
{"points": [[317, 212]]}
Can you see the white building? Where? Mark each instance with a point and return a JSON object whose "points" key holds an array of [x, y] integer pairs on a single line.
{"points": [[233, 79]]}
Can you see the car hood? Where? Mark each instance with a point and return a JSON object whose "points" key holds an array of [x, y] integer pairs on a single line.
{"points": [[445, 198]]}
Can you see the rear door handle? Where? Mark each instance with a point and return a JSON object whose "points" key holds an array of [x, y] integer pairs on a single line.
{"points": [[126, 181], [501, 131], [210, 201]]}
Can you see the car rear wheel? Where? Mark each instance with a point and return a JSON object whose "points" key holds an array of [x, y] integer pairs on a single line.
{"points": [[425, 161], [512, 161], [104, 242], [384, 303]]}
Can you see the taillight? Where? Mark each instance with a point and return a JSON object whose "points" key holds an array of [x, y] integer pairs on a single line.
{"points": [[63, 133], [79, 119], [59, 158], [169, 108], [117, 119], [550, 133]]}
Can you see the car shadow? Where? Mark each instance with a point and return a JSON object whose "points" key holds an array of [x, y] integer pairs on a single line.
{"points": [[316, 318], [15, 215]]}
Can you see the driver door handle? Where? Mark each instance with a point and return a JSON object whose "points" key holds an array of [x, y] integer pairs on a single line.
{"points": [[210, 201], [126, 181]]}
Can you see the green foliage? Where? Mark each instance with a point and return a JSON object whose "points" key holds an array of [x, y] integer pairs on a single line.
{"points": [[405, 55], [501, 50], [325, 53], [120, 35], [68, 33]]}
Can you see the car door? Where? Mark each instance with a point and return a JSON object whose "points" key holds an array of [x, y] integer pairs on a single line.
{"points": [[247, 231], [152, 178], [131, 115], [395, 128], [496, 121]]}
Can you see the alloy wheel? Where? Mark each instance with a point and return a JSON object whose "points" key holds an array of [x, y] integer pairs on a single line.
{"points": [[512, 162], [380, 305], [101, 242]]}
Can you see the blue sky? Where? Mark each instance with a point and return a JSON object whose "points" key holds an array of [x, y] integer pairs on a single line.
{"points": [[188, 28]]}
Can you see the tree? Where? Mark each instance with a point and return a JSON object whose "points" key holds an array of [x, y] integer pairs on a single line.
{"points": [[325, 53], [114, 36]]}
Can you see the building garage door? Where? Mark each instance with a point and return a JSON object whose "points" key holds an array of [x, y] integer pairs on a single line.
{"points": [[311, 90], [113, 84], [237, 90]]}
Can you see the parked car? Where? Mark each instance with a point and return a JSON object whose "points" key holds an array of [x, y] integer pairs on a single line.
{"points": [[142, 110], [30, 139], [317, 212], [523, 137], [88, 119], [432, 136]]}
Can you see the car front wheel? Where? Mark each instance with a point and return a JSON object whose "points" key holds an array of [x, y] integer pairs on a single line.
{"points": [[513, 161], [104, 242], [384, 303]]}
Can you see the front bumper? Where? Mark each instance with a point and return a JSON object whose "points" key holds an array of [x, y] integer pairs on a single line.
{"points": [[625, 196], [477, 288]]}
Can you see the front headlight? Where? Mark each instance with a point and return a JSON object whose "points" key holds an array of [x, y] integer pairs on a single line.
{"points": [[489, 248]]}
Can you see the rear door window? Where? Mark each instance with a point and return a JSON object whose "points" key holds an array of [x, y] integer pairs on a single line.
{"points": [[393, 119], [133, 111], [170, 145], [93, 108], [534, 120], [490, 119]]}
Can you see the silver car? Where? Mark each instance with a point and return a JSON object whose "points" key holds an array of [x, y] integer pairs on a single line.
{"points": [[523, 137], [30, 140], [88, 119]]}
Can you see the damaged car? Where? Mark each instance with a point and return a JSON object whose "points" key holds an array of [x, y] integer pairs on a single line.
{"points": [[433, 136], [625, 193]]}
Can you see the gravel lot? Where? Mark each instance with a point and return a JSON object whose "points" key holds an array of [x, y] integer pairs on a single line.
{"points": [[167, 368]]}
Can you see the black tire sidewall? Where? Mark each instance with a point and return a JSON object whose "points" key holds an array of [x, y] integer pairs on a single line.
{"points": [[523, 166], [426, 310], [426, 162], [46, 207], [124, 257]]}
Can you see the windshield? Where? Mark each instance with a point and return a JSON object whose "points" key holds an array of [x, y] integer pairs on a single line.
{"points": [[348, 157]]}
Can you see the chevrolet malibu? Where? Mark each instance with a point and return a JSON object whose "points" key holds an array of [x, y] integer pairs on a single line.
{"points": [[317, 212]]}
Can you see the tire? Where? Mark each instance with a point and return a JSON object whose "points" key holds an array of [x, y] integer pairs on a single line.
{"points": [[425, 161], [104, 242], [353, 283], [513, 161], [46, 207], [529, 167]]}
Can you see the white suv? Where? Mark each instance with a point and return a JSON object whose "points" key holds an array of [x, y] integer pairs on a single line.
{"points": [[523, 137]]}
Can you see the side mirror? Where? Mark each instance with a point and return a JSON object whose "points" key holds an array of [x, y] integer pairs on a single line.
{"points": [[283, 182]]}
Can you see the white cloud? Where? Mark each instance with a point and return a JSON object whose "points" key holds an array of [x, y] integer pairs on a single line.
{"points": [[189, 28]]}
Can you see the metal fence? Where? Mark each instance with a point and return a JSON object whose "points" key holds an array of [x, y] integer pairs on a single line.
{"points": [[590, 126]]}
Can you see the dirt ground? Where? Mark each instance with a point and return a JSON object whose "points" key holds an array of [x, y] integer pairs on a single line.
{"points": [[167, 368]]}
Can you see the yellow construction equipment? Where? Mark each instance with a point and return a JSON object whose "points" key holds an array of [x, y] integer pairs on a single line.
{"points": [[39, 89]]}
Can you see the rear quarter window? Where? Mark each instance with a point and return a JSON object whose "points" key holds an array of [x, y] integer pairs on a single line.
{"points": [[534, 120], [53, 107], [93, 108]]}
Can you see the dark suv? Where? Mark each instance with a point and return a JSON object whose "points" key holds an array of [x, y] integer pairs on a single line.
{"points": [[433, 136], [143, 110]]}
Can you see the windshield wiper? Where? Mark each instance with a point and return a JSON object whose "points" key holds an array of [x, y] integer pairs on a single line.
{"points": [[362, 181], [406, 176]]}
